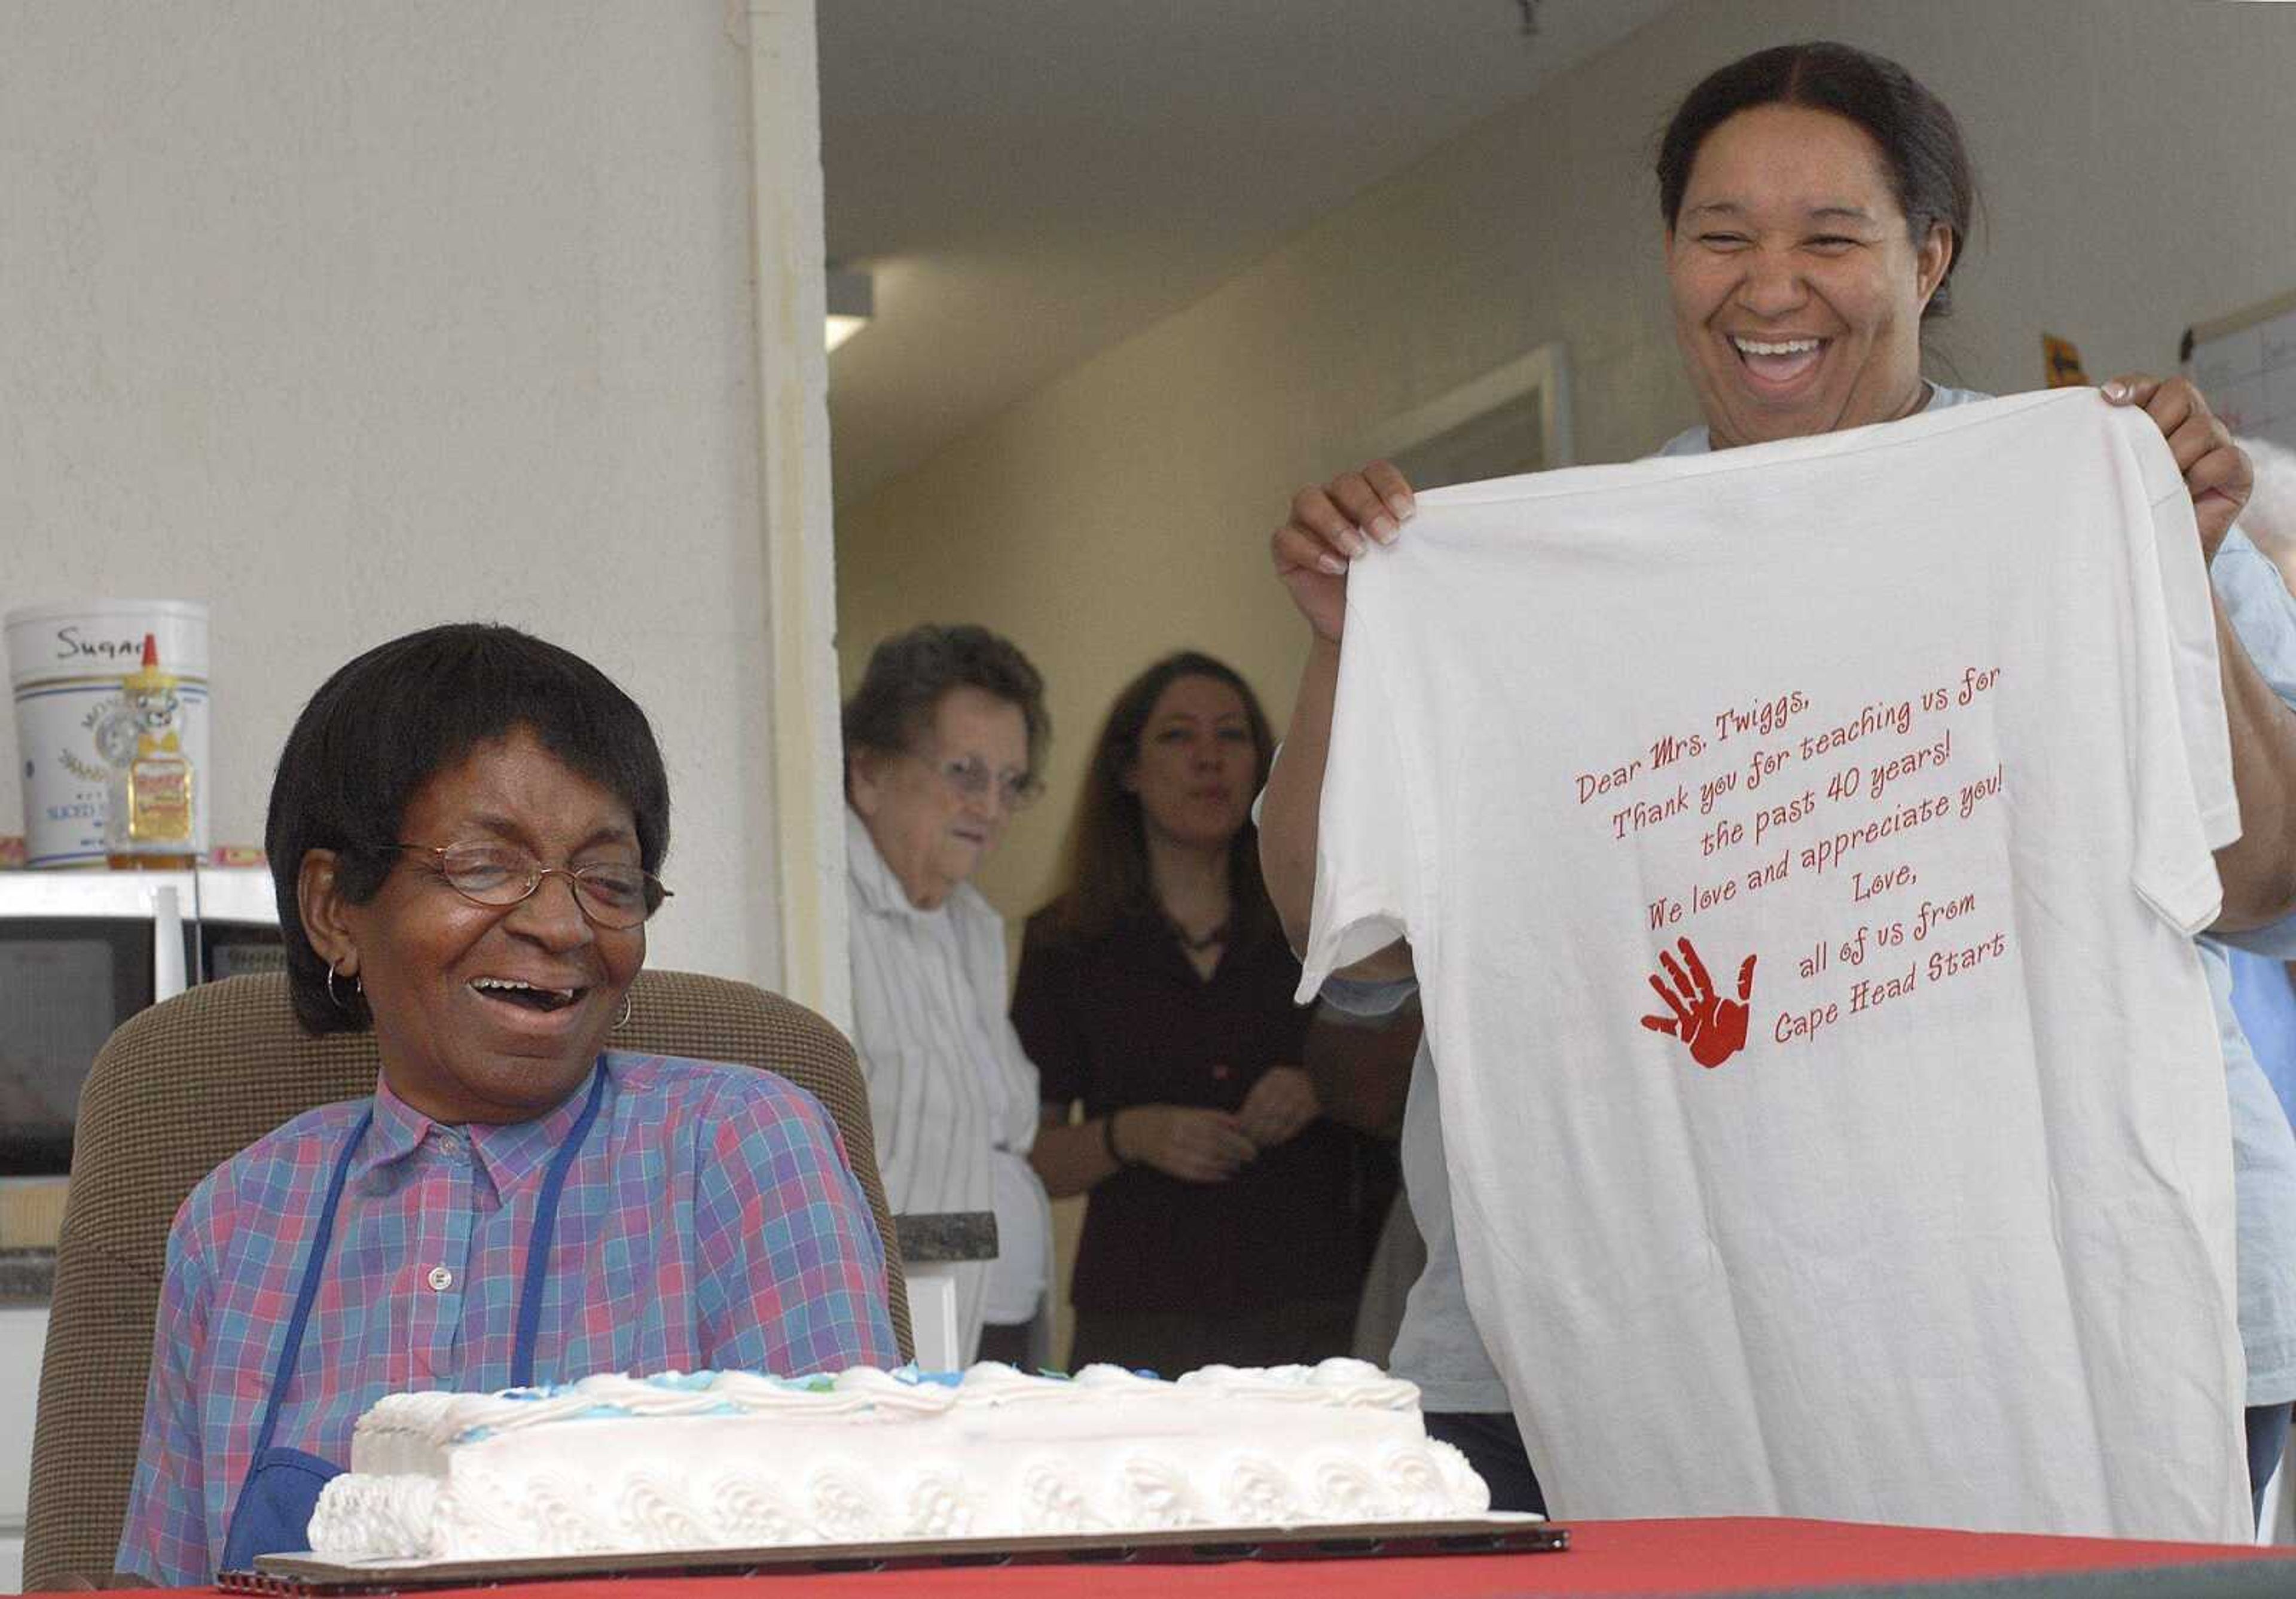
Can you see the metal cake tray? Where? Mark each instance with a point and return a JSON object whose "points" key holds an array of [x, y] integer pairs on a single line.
{"points": [[1497, 1533]]}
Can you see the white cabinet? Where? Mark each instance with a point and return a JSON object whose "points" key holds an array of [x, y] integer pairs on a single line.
{"points": [[23, 1335]]}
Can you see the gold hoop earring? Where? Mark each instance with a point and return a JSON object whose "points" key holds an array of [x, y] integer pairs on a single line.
{"points": [[622, 1020]]}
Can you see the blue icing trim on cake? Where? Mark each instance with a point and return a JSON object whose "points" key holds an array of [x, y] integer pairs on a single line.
{"points": [[915, 1378], [600, 1412], [703, 1382]]}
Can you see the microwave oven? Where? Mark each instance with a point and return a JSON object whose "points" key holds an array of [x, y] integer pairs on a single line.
{"points": [[81, 952]]}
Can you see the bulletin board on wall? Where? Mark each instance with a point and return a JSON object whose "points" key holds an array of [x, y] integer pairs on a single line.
{"points": [[2245, 364]]}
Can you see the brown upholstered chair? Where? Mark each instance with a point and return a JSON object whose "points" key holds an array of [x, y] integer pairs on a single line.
{"points": [[189, 1082]]}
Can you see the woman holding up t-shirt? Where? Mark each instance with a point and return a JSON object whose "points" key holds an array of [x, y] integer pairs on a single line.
{"points": [[1816, 200]]}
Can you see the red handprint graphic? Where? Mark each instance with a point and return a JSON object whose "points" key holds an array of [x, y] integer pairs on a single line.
{"points": [[1713, 1027]]}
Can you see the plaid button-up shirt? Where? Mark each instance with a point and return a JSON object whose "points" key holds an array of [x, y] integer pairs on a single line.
{"points": [[709, 1220]]}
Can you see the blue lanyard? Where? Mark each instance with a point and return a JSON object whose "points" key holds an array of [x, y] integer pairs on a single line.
{"points": [[539, 1238]]}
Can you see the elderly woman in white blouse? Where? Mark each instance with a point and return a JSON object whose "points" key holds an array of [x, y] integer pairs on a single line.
{"points": [[942, 742]]}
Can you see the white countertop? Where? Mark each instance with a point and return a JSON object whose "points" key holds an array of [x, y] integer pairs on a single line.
{"points": [[209, 893]]}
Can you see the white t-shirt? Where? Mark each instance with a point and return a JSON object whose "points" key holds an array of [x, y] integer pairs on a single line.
{"points": [[1799, 847]]}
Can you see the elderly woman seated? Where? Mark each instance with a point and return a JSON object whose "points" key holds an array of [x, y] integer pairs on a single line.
{"points": [[465, 833]]}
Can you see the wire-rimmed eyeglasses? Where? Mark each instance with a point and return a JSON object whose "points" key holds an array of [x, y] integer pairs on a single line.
{"points": [[609, 894], [970, 777]]}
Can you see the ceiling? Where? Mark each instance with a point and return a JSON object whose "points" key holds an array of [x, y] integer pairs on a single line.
{"points": [[1028, 181]]}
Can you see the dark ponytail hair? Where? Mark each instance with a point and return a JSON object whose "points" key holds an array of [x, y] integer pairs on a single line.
{"points": [[1920, 142]]}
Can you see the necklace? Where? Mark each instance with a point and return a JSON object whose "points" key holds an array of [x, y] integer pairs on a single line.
{"points": [[1193, 944]]}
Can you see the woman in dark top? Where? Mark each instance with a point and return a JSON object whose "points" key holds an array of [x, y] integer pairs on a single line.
{"points": [[1157, 990]]}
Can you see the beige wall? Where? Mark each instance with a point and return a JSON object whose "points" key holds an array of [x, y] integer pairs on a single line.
{"points": [[347, 319], [2137, 178]]}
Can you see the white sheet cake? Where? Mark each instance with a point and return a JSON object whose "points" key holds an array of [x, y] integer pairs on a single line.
{"points": [[737, 1460]]}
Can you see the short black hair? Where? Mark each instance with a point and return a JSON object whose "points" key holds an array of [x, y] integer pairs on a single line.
{"points": [[1921, 143], [909, 672], [395, 717]]}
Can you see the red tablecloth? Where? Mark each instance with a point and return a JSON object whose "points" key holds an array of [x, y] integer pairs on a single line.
{"points": [[1732, 1555]]}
